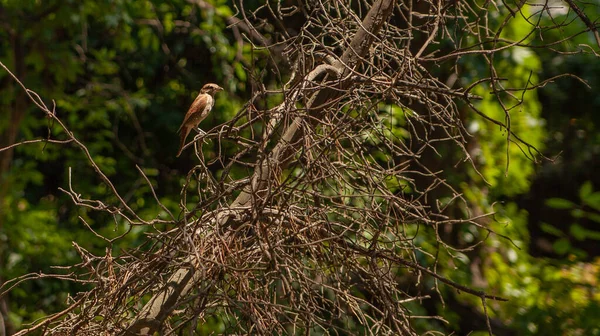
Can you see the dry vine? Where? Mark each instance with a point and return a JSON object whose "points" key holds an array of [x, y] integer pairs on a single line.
{"points": [[324, 230]]}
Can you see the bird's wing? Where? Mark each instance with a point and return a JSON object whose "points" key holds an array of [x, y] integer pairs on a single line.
{"points": [[199, 109]]}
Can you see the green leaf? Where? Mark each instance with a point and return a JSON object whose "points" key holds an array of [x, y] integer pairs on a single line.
{"points": [[578, 232], [592, 200], [590, 234], [593, 216], [168, 23], [562, 246], [581, 233], [239, 71], [547, 228], [560, 203], [577, 213], [150, 171], [585, 190]]}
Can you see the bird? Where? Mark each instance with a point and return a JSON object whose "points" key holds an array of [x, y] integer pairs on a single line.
{"points": [[198, 111]]}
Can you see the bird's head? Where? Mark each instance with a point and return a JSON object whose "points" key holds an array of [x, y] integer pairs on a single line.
{"points": [[211, 89]]}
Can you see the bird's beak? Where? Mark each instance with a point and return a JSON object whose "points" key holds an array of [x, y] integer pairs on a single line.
{"points": [[220, 89]]}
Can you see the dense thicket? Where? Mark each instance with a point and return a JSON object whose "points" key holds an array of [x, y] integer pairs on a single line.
{"points": [[373, 167]]}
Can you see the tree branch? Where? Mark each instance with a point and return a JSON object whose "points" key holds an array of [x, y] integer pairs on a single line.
{"points": [[179, 284]]}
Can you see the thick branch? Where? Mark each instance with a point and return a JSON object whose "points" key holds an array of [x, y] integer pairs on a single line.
{"points": [[289, 143]]}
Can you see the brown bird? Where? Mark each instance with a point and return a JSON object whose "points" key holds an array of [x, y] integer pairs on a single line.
{"points": [[198, 111]]}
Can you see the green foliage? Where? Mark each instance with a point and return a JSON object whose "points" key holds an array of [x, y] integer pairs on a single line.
{"points": [[121, 74], [507, 163], [588, 208], [545, 296]]}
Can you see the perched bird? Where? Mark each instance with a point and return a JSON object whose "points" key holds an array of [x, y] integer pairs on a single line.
{"points": [[198, 111]]}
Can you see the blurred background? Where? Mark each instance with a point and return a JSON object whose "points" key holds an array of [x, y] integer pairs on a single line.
{"points": [[123, 73]]}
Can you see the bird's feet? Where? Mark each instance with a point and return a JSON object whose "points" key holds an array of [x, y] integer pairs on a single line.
{"points": [[201, 135]]}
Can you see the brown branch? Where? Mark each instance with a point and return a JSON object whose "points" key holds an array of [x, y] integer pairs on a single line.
{"points": [[347, 164], [591, 26], [179, 284]]}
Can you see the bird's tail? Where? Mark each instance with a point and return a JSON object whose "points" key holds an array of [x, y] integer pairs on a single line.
{"points": [[183, 134]]}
